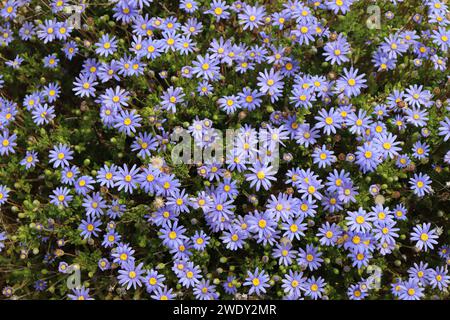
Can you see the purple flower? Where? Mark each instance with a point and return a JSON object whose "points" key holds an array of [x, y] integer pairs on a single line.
{"points": [[84, 85], [89, 227], [80, 294], [425, 236], [350, 83], [328, 120], [339, 6], [359, 221], [126, 178], [251, 17], [219, 10], [234, 238], [368, 157], [271, 83], [258, 282], [94, 205], [131, 275], [84, 184], [127, 121], [61, 197], [43, 114], [106, 46], [60, 156], [420, 184], [410, 290], [30, 160], [173, 235], [171, 97], [293, 283], [329, 234], [3, 194], [336, 51], [206, 67], [314, 288]]}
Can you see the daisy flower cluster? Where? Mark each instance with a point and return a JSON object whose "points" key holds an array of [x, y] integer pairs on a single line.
{"points": [[334, 186]]}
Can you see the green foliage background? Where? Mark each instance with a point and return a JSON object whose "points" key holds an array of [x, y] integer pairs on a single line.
{"points": [[77, 123]]}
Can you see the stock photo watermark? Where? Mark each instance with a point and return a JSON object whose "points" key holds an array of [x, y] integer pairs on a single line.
{"points": [[74, 279], [73, 12], [374, 20], [373, 282], [233, 146]]}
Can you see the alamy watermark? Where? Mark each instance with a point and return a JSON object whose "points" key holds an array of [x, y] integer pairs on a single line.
{"points": [[374, 20], [373, 282], [74, 279], [74, 15], [232, 147]]}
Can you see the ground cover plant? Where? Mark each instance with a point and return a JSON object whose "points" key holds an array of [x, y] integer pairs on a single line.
{"points": [[335, 184]]}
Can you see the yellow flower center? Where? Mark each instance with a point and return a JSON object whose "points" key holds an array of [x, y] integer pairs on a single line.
{"points": [[424, 237], [262, 223], [261, 175], [172, 235]]}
